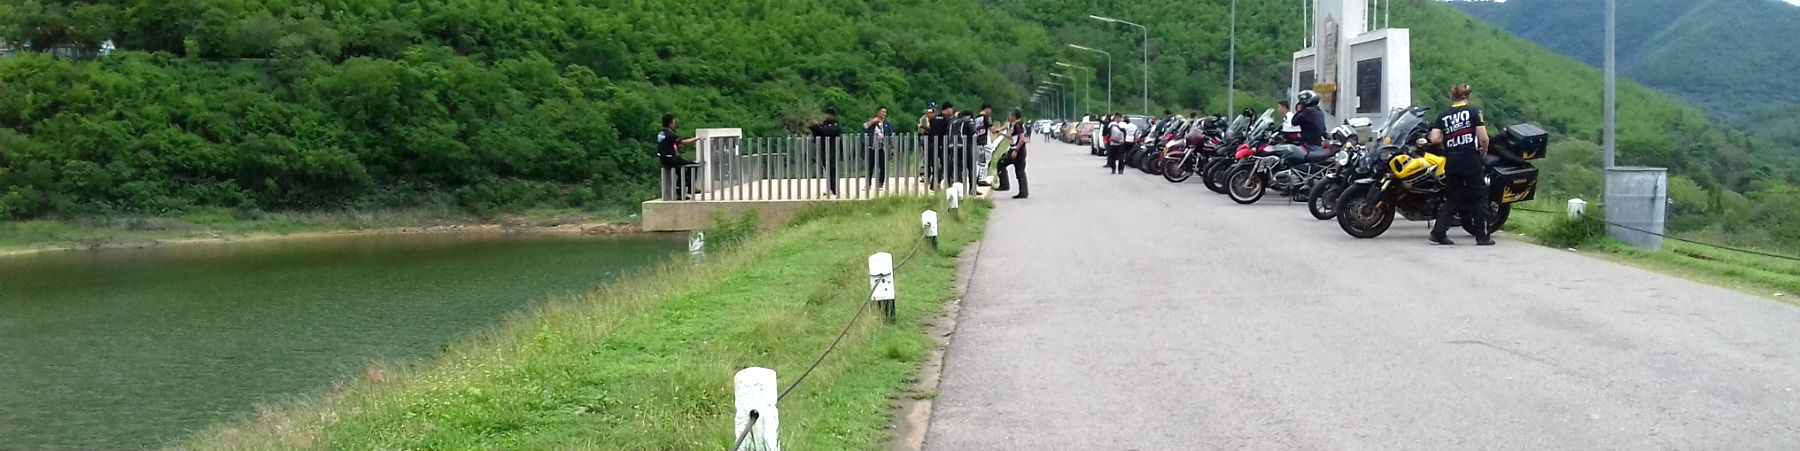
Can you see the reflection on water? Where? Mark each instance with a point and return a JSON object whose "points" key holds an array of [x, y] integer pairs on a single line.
{"points": [[131, 349]]}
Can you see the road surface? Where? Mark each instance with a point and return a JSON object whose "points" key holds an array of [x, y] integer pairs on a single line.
{"points": [[1128, 313]]}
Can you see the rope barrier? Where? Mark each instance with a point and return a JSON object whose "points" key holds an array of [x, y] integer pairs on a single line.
{"points": [[1676, 238], [852, 323], [750, 426]]}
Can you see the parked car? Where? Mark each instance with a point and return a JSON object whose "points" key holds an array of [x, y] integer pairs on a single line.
{"points": [[1084, 135]]}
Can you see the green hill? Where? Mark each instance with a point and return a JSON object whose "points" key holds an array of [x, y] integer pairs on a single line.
{"points": [[1726, 56], [494, 105], [485, 104]]}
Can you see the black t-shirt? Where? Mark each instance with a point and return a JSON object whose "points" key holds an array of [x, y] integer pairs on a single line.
{"points": [[1458, 125], [667, 142], [940, 125], [1312, 126]]}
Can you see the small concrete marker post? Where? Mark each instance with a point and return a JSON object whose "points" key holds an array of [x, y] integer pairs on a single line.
{"points": [[928, 220], [697, 244], [954, 196], [1577, 207], [756, 395], [881, 283]]}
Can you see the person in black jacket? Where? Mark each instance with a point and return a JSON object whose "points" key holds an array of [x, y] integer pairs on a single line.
{"points": [[827, 134], [938, 148], [1311, 122], [668, 145], [1015, 155]]}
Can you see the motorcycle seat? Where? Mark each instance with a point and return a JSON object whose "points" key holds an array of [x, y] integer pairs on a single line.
{"points": [[1295, 155]]}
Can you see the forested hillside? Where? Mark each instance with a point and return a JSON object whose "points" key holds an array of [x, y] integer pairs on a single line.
{"points": [[1730, 57], [501, 104], [486, 104]]}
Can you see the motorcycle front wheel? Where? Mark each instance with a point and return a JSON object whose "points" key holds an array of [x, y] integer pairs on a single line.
{"points": [[1323, 199], [1214, 177], [1177, 170], [1247, 186], [1361, 214]]}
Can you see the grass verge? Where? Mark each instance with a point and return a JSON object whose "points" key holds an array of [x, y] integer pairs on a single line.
{"points": [[647, 363], [1752, 274]]}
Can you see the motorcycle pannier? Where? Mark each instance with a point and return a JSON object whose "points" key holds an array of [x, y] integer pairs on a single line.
{"points": [[1526, 140], [1515, 184]]}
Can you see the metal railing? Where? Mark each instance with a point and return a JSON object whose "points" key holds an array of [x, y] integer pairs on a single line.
{"points": [[808, 168]]}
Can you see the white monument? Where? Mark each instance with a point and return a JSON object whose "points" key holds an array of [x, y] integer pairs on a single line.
{"points": [[1358, 69]]}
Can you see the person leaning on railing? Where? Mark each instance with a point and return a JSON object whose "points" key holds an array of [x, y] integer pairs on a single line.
{"points": [[828, 133], [668, 144]]}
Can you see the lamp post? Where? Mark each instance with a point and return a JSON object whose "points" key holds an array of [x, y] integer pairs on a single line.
{"points": [[1109, 71], [1146, 55], [1073, 87], [1086, 101], [1059, 92], [1610, 110]]}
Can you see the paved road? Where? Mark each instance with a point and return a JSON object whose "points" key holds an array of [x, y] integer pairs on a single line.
{"points": [[1127, 313]]}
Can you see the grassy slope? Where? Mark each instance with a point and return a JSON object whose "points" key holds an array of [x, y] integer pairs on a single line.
{"points": [[647, 363], [1751, 274]]}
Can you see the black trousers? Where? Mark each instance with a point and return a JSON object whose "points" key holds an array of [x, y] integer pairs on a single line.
{"points": [[1467, 194], [1018, 165], [831, 155], [878, 168], [683, 175], [1115, 158]]}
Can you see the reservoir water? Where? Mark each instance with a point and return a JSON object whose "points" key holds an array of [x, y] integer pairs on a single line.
{"points": [[136, 348]]}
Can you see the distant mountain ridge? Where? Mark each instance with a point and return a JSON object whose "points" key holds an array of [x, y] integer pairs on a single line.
{"points": [[1729, 57]]}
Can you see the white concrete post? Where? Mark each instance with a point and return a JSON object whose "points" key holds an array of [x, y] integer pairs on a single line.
{"points": [[1576, 208], [881, 283], [928, 220], [756, 395], [697, 244], [955, 197]]}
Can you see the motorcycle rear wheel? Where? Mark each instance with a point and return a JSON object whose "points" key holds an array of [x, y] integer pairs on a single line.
{"points": [[1214, 176], [1323, 199], [1497, 215], [1176, 172], [1246, 186], [1360, 215]]}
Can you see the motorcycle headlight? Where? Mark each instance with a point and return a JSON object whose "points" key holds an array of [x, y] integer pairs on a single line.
{"points": [[1343, 157]]}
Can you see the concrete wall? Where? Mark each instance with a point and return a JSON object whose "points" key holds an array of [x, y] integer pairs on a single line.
{"points": [[680, 216]]}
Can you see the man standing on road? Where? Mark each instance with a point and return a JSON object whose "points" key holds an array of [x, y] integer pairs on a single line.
{"points": [[827, 136], [1461, 133], [983, 155], [880, 133], [668, 150], [1015, 155], [1287, 118], [1117, 140]]}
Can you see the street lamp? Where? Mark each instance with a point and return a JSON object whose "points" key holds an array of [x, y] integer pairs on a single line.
{"points": [[1087, 104], [1146, 53], [1072, 87], [1059, 90], [1109, 71]]}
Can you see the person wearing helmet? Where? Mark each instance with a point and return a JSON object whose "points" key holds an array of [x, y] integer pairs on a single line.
{"points": [[1460, 135], [1311, 122]]}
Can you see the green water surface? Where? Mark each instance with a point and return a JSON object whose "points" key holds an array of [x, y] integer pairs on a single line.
{"points": [[134, 349]]}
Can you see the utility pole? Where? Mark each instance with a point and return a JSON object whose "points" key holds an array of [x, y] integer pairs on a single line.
{"points": [[1612, 94]]}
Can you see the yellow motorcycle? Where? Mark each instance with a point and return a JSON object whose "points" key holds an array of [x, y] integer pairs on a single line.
{"points": [[1398, 177]]}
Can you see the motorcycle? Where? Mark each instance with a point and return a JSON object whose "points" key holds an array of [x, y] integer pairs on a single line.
{"points": [[1198, 145], [1288, 168], [1241, 136], [1321, 199], [1398, 177]]}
